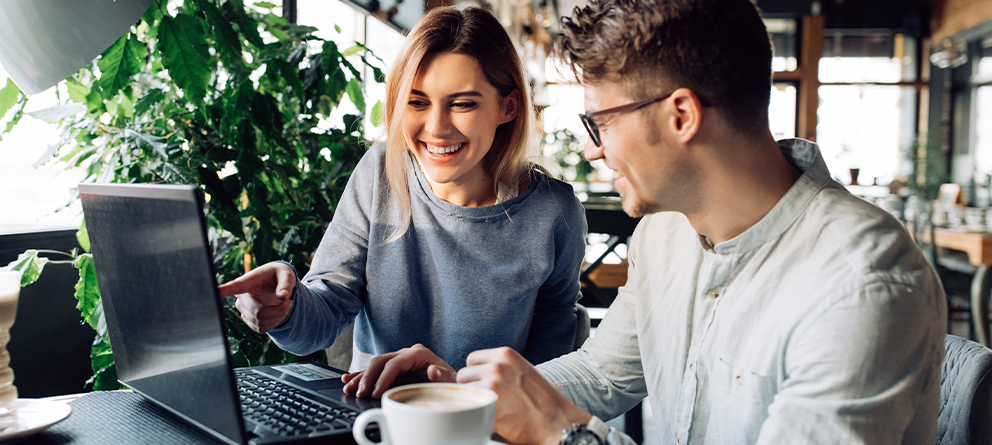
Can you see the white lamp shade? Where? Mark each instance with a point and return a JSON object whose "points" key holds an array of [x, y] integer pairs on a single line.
{"points": [[44, 41]]}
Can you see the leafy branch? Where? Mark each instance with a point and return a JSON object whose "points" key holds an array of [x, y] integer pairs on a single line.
{"points": [[230, 98]]}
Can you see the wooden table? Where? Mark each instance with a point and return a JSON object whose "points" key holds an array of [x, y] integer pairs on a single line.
{"points": [[978, 246]]}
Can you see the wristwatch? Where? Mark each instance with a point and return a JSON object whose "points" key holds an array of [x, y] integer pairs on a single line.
{"points": [[592, 433]]}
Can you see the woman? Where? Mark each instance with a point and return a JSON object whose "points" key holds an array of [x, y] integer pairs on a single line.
{"points": [[446, 235]]}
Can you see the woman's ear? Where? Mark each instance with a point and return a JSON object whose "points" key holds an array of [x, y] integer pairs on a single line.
{"points": [[511, 105]]}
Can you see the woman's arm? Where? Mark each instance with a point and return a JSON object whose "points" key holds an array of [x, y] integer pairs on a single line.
{"points": [[333, 292], [552, 329]]}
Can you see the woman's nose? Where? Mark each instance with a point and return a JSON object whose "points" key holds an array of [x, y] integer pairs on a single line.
{"points": [[438, 122]]}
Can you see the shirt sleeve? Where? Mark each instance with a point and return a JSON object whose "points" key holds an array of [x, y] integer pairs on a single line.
{"points": [[865, 370], [552, 328], [605, 377], [327, 300]]}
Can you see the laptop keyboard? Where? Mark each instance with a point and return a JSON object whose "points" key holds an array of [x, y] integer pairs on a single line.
{"points": [[284, 408]]}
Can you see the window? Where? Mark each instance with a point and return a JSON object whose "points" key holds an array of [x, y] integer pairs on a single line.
{"points": [[35, 188], [783, 36], [355, 26], [867, 104], [782, 110], [783, 107]]}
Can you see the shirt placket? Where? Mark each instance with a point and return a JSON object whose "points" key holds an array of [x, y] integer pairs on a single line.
{"points": [[713, 277]]}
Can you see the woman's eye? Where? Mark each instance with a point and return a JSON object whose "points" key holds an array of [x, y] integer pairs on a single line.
{"points": [[417, 103], [464, 105]]}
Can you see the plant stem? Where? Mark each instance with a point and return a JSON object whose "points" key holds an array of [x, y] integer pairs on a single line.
{"points": [[56, 252]]}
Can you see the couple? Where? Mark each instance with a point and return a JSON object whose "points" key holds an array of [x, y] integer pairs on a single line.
{"points": [[764, 303]]}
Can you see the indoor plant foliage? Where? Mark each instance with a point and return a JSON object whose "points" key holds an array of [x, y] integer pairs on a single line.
{"points": [[230, 98]]}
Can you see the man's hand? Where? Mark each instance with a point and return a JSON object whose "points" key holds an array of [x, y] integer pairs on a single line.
{"points": [[263, 295], [408, 365], [529, 410]]}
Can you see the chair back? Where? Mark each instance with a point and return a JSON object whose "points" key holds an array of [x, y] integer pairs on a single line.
{"points": [[583, 326], [965, 394]]}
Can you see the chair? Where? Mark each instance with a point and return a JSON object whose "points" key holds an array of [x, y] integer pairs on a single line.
{"points": [[583, 326], [953, 269], [965, 394]]}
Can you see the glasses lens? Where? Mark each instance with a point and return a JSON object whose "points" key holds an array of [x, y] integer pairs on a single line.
{"points": [[591, 128]]}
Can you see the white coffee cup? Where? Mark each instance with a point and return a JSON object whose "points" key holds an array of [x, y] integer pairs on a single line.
{"points": [[431, 414]]}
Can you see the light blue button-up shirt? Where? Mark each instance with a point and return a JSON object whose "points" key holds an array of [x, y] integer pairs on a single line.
{"points": [[822, 323]]}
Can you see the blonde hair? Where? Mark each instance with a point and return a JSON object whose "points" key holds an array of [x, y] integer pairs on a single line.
{"points": [[476, 33]]}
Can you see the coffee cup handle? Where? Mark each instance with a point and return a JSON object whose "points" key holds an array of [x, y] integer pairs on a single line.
{"points": [[364, 419]]}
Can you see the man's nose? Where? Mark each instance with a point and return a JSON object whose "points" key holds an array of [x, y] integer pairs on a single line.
{"points": [[592, 152]]}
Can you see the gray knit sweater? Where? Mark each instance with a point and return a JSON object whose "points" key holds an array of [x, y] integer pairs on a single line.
{"points": [[460, 279]]}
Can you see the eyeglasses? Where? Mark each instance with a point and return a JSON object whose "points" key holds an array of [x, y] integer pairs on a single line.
{"points": [[594, 129]]}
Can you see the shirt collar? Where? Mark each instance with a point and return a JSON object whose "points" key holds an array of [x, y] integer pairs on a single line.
{"points": [[805, 156]]}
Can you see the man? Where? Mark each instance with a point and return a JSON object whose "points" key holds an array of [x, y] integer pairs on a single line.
{"points": [[764, 303]]}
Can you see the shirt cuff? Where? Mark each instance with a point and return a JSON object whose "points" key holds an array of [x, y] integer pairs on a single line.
{"points": [[599, 428]]}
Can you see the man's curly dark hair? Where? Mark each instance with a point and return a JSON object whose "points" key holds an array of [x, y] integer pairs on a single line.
{"points": [[719, 49]]}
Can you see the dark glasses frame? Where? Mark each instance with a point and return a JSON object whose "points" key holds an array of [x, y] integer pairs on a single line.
{"points": [[593, 129]]}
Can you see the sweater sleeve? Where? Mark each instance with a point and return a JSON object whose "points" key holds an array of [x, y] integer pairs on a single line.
{"points": [[330, 296], [552, 329]]}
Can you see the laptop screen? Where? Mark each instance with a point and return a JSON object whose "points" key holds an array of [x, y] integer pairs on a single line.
{"points": [[160, 299]]}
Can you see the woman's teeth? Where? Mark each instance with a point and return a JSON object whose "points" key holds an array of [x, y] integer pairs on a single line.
{"points": [[442, 151]]}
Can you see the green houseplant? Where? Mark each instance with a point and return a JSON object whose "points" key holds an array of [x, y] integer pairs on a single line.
{"points": [[230, 98]]}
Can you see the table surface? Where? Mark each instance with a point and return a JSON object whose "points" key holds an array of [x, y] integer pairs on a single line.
{"points": [[978, 245]]}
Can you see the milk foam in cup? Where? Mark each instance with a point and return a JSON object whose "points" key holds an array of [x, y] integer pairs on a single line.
{"points": [[10, 288], [431, 414]]}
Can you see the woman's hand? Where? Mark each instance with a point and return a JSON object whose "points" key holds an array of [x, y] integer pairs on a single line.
{"points": [[530, 409], [263, 295], [409, 365]]}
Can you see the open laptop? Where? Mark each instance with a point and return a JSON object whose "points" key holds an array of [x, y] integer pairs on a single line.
{"points": [[166, 325]]}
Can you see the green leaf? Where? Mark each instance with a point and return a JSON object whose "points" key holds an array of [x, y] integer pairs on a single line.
{"points": [[184, 54], [88, 291], [265, 5], [153, 13], [353, 50], [104, 371], [29, 264], [354, 90], [94, 101], [226, 39], [147, 142], [120, 63], [352, 123], [8, 97], [146, 102], [83, 236], [77, 91], [17, 116], [376, 116], [337, 28]]}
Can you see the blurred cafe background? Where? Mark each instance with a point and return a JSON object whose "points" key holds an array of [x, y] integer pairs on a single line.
{"points": [[897, 93]]}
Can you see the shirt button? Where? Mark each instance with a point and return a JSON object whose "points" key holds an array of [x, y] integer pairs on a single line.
{"points": [[679, 440], [692, 366], [713, 293], [740, 380]]}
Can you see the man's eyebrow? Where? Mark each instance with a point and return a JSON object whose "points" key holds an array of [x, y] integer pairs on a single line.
{"points": [[450, 96]]}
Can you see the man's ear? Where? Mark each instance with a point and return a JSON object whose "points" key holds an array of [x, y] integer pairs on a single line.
{"points": [[686, 114], [511, 105]]}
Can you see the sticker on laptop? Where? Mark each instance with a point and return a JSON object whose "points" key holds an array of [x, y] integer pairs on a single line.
{"points": [[307, 371]]}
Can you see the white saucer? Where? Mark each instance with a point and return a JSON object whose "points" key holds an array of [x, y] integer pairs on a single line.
{"points": [[34, 415]]}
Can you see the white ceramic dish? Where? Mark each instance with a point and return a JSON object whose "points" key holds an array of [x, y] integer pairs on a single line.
{"points": [[33, 416]]}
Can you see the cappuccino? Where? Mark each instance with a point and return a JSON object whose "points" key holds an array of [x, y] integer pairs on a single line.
{"points": [[446, 398]]}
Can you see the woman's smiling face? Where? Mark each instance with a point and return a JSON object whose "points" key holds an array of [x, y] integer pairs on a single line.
{"points": [[449, 123]]}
